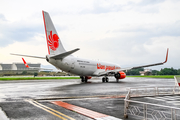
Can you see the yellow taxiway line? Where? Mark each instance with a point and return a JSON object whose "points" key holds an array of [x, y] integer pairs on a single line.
{"points": [[50, 110]]}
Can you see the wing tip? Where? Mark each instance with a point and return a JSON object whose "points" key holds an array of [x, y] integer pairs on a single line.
{"points": [[166, 56]]}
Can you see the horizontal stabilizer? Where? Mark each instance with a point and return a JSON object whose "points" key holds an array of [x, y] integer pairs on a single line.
{"points": [[28, 56], [63, 55]]}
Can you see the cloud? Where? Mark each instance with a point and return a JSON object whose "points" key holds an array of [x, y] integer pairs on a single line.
{"points": [[100, 6], [25, 48], [131, 32], [153, 30], [21, 31], [2, 17], [16, 32], [103, 7], [150, 2]]}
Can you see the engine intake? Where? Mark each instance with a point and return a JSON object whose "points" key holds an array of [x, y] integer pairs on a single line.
{"points": [[120, 75]]}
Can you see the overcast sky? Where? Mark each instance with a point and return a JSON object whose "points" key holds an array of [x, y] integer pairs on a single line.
{"points": [[126, 32]]}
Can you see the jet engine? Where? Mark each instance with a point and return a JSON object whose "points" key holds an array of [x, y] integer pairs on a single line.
{"points": [[120, 75]]}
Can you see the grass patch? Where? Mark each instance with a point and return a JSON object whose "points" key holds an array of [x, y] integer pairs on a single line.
{"points": [[35, 78], [155, 76], [46, 78]]}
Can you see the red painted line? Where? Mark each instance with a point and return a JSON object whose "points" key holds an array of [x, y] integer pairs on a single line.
{"points": [[80, 110]]}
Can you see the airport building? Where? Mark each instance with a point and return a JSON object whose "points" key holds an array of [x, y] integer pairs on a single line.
{"points": [[146, 72], [17, 68]]}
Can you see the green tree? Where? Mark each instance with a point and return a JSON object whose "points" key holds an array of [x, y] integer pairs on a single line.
{"points": [[24, 73], [155, 72], [178, 71], [134, 71], [35, 74], [168, 71]]}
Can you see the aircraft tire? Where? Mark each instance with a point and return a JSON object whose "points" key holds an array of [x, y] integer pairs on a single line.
{"points": [[103, 79], [117, 80], [107, 79], [85, 80], [82, 79]]}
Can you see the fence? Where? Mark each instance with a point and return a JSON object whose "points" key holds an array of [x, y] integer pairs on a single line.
{"points": [[148, 110]]}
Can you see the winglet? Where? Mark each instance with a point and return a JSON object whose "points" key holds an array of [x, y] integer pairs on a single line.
{"points": [[25, 63], [166, 56]]}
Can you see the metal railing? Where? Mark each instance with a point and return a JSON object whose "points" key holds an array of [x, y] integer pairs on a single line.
{"points": [[148, 110]]}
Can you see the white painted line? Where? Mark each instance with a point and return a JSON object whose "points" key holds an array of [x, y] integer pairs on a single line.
{"points": [[173, 101], [176, 103], [3, 115], [155, 98], [165, 98], [168, 98], [177, 97], [108, 118]]}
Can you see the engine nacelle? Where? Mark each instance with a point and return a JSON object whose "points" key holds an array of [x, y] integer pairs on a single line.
{"points": [[120, 75]]}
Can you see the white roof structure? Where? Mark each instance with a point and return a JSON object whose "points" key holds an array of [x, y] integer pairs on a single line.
{"points": [[18, 66]]}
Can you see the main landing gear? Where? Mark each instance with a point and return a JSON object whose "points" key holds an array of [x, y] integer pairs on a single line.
{"points": [[105, 79], [84, 79]]}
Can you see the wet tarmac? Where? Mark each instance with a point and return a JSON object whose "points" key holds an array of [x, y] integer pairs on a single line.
{"points": [[105, 98]]}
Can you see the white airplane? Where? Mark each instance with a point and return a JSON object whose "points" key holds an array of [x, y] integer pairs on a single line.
{"points": [[85, 68]]}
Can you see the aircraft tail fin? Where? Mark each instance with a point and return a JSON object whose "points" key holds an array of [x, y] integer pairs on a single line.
{"points": [[25, 63], [53, 41], [34, 68]]}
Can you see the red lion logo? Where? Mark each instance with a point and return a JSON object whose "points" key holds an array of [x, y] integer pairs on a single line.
{"points": [[53, 41]]}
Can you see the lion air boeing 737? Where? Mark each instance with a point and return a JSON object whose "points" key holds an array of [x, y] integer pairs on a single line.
{"points": [[86, 69]]}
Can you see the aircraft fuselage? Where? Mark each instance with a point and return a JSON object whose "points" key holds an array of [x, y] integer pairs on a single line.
{"points": [[82, 67]]}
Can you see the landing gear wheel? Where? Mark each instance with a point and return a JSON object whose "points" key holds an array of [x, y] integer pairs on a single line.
{"points": [[85, 80], [103, 79], [117, 80], [82, 79], [107, 79]]}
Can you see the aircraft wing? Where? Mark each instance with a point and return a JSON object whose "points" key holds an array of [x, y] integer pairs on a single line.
{"points": [[129, 68]]}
